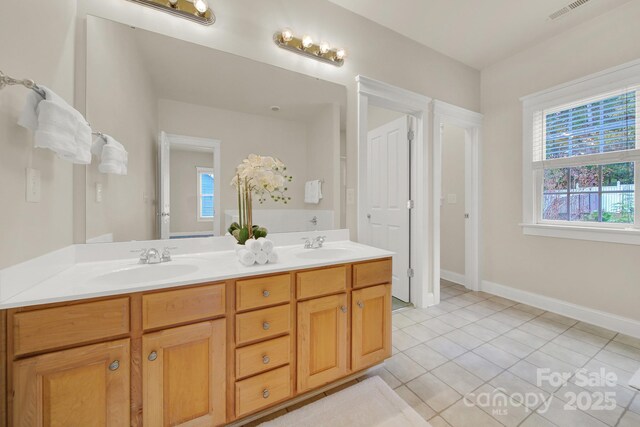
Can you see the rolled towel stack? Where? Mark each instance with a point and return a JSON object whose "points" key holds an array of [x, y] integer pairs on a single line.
{"points": [[257, 251]]}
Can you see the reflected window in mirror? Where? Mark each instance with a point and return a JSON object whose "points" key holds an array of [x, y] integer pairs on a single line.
{"points": [[206, 184]]}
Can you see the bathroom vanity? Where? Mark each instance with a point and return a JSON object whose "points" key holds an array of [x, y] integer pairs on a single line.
{"points": [[206, 353]]}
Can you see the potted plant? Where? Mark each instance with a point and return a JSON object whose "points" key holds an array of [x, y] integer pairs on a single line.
{"points": [[264, 177]]}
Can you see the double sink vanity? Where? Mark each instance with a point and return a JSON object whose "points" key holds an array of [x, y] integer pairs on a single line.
{"points": [[198, 340]]}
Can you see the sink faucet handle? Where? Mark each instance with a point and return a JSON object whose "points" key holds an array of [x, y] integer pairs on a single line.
{"points": [[307, 242], [166, 254], [144, 258]]}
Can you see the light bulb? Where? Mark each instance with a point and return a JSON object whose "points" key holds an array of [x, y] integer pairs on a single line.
{"points": [[307, 41], [340, 54], [287, 35], [324, 47], [201, 6]]}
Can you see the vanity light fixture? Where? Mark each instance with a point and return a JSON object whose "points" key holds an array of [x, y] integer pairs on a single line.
{"points": [[305, 46], [193, 10]]}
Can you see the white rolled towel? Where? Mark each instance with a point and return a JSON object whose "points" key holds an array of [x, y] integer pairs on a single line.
{"points": [[247, 258], [267, 245], [262, 257], [253, 245], [273, 257]]}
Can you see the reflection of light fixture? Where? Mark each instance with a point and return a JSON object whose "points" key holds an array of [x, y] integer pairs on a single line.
{"points": [[305, 46], [194, 10], [307, 42]]}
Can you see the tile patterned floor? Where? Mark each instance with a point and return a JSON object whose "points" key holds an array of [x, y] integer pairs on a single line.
{"points": [[457, 362]]}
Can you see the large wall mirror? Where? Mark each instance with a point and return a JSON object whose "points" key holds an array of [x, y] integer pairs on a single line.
{"points": [[187, 115]]}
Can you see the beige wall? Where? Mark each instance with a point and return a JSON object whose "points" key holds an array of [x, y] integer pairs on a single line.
{"points": [[242, 134], [602, 276], [452, 227], [184, 190], [121, 101], [37, 45], [377, 116]]}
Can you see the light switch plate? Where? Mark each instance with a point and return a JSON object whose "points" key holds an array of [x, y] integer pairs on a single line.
{"points": [[452, 199], [34, 186], [351, 196]]}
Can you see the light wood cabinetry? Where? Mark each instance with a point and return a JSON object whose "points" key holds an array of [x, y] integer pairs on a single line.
{"points": [[201, 355], [183, 371], [370, 326], [322, 341], [84, 386]]}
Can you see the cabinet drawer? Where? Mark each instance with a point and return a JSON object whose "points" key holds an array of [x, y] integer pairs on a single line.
{"points": [[256, 293], [372, 273], [264, 323], [70, 324], [321, 282], [263, 356], [262, 390], [182, 305]]}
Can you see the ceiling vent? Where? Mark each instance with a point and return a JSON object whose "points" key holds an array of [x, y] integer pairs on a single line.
{"points": [[568, 8]]}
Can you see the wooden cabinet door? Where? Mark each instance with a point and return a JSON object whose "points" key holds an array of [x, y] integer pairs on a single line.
{"points": [[86, 386], [322, 341], [184, 373], [370, 326]]}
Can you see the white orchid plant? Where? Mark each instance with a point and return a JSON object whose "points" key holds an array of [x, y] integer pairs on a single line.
{"points": [[264, 176]]}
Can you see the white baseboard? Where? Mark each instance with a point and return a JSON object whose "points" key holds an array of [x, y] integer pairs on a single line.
{"points": [[585, 314], [453, 277]]}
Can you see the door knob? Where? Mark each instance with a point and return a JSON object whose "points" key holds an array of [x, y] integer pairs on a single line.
{"points": [[360, 304], [152, 356], [265, 293], [266, 326], [265, 359], [114, 365], [343, 308], [265, 393]]}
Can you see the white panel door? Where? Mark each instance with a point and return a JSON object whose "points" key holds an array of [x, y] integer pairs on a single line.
{"points": [[164, 204], [388, 172]]}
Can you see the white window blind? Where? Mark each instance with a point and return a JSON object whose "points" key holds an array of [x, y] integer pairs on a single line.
{"points": [[596, 130]]}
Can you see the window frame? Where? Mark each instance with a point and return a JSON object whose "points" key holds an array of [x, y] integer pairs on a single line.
{"points": [[200, 170], [626, 75]]}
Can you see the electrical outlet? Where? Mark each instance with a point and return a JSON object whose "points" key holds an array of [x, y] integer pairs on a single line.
{"points": [[351, 196], [34, 186], [98, 192]]}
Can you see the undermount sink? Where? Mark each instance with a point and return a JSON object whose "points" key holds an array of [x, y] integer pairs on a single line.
{"points": [[144, 273], [325, 253]]}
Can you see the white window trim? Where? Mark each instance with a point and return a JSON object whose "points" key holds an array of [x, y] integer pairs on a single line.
{"points": [[199, 172], [624, 75]]}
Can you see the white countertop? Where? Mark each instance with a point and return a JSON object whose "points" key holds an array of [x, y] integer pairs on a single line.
{"points": [[92, 279]]}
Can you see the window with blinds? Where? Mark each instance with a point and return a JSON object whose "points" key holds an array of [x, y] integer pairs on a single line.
{"points": [[206, 184], [585, 158]]}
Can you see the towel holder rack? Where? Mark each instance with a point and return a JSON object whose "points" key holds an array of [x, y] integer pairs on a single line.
{"points": [[6, 80]]}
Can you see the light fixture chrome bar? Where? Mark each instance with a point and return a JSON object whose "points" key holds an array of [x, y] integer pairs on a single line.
{"points": [[182, 8], [312, 50], [28, 83]]}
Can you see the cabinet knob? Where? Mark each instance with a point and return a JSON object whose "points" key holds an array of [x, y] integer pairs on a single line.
{"points": [[360, 304], [343, 308], [265, 293], [266, 326], [114, 365], [152, 356], [265, 359], [265, 393]]}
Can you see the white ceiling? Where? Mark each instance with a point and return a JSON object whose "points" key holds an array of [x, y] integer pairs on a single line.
{"points": [[194, 74], [477, 32]]}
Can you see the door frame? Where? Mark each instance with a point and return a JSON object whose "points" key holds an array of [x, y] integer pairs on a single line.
{"points": [[471, 122], [191, 141], [384, 95]]}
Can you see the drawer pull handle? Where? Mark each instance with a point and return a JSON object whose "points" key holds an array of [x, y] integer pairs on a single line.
{"points": [[114, 365], [152, 356], [360, 304], [265, 393], [265, 293], [265, 359], [343, 308], [266, 326]]}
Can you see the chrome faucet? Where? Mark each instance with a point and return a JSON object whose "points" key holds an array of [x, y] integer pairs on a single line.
{"points": [[314, 243], [153, 256]]}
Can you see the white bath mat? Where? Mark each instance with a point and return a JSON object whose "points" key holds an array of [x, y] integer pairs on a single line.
{"points": [[370, 403]]}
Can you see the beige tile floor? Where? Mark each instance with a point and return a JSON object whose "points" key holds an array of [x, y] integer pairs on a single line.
{"points": [[455, 363]]}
